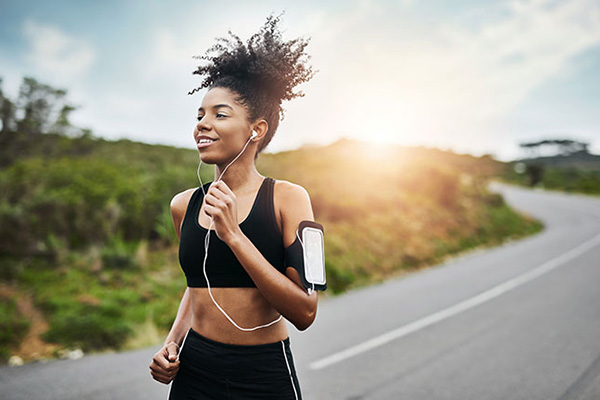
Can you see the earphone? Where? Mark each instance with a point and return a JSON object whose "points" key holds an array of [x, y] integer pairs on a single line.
{"points": [[206, 244], [207, 241]]}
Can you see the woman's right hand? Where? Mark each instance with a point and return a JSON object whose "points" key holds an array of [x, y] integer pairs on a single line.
{"points": [[164, 365]]}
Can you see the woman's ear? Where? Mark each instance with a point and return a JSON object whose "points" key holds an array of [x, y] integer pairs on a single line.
{"points": [[261, 128]]}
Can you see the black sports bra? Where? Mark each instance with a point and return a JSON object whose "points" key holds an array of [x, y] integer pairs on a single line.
{"points": [[222, 267]]}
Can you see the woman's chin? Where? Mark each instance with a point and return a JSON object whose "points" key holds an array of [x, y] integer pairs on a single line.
{"points": [[206, 158]]}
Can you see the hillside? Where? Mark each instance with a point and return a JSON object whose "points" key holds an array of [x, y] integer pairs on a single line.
{"points": [[580, 160], [88, 255], [576, 172]]}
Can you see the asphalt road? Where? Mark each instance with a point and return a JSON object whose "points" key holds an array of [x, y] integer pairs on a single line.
{"points": [[520, 321]]}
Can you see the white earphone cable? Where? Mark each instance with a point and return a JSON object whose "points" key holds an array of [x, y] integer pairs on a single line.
{"points": [[206, 245]]}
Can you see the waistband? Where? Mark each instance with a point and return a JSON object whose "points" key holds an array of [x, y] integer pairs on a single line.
{"points": [[201, 355], [240, 347]]}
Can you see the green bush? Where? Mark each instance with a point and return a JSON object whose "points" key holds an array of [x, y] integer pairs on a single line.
{"points": [[73, 225], [118, 254], [89, 327], [338, 279], [569, 179], [494, 199], [48, 207], [13, 327]]}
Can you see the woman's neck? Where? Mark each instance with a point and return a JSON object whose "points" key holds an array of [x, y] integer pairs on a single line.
{"points": [[238, 176]]}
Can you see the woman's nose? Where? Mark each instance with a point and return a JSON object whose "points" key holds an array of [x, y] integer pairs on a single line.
{"points": [[204, 124]]}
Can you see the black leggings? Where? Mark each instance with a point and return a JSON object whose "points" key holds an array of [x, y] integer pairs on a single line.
{"points": [[215, 370]]}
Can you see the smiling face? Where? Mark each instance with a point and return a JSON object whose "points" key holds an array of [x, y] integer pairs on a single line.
{"points": [[223, 127]]}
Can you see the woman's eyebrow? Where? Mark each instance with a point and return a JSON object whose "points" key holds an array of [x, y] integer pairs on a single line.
{"points": [[217, 106]]}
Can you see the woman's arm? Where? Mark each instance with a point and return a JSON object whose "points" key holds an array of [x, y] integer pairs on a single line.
{"points": [[285, 293], [165, 363], [183, 320]]}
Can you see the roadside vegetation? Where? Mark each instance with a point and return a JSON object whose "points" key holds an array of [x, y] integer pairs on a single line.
{"points": [[86, 232], [556, 164]]}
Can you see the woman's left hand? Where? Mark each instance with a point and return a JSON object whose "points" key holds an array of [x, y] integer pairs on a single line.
{"points": [[221, 205]]}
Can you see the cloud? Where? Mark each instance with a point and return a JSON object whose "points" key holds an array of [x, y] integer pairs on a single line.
{"points": [[387, 76], [54, 53], [512, 56], [386, 72]]}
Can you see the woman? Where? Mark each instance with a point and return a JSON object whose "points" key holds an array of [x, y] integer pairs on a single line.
{"points": [[228, 339]]}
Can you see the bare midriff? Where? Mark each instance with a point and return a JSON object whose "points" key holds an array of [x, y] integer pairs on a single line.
{"points": [[246, 306]]}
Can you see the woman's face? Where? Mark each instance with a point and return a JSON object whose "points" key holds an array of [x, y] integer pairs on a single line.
{"points": [[223, 128]]}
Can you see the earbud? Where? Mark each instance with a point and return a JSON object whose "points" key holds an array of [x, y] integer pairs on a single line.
{"points": [[254, 134]]}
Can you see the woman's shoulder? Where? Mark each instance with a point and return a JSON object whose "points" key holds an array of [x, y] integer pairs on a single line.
{"points": [[291, 200], [292, 205], [289, 192], [180, 201]]}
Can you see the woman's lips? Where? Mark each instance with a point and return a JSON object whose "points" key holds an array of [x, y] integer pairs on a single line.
{"points": [[203, 144]]}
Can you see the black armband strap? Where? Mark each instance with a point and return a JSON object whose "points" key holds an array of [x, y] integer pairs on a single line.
{"points": [[307, 255]]}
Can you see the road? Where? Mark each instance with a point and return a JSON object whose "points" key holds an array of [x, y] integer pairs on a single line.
{"points": [[519, 321]]}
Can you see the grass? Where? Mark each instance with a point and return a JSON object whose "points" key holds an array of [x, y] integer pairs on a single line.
{"points": [[123, 292], [93, 303], [566, 179], [13, 326]]}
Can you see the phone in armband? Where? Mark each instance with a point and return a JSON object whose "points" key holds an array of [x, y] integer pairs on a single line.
{"points": [[307, 255]]}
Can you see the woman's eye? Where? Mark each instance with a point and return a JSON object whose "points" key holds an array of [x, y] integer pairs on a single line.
{"points": [[199, 117]]}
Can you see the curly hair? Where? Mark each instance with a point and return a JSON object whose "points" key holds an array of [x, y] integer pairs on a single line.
{"points": [[261, 73]]}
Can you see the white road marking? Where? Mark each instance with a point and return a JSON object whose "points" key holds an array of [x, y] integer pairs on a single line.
{"points": [[457, 308]]}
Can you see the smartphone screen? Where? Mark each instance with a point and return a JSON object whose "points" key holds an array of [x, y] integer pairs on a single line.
{"points": [[314, 255]]}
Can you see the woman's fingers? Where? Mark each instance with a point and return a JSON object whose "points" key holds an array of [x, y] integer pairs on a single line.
{"points": [[161, 375], [216, 197], [223, 188], [212, 201], [163, 380], [220, 204], [161, 369], [214, 205], [172, 351], [161, 360], [167, 370], [210, 210]]}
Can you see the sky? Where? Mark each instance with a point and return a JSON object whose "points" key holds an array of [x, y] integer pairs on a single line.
{"points": [[474, 77]]}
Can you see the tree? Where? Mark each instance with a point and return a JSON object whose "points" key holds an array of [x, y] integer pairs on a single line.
{"points": [[564, 147], [39, 103], [7, 113], [7, 116], [62, 125], [38, 109]]}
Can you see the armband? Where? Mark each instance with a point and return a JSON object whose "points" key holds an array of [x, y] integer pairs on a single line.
{"points": [[307, 255]]}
